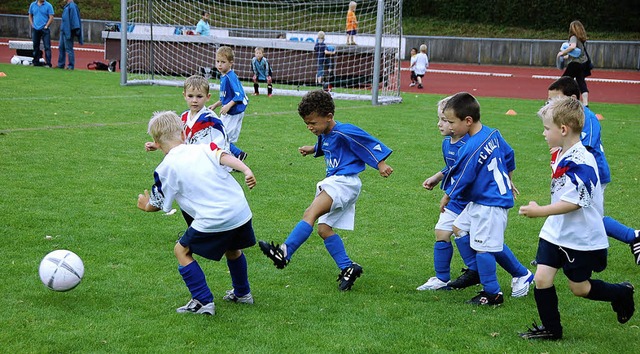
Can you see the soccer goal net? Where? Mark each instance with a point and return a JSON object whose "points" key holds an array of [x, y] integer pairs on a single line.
{"points": [[161, 45]]}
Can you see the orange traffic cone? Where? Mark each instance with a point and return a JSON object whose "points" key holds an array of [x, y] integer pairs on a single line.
{"points": [[511, 112], [599, 116], [2, 74]]}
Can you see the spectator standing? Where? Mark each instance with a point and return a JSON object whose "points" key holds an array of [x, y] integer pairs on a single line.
{"points": [[70, 27], [40, 18]]}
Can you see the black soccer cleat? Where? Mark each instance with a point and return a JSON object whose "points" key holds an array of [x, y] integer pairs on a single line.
{"points": [[484, 298], [539, 332], [466, 279], [348, 276], [635, 248], [275, 253], [624, 307]]}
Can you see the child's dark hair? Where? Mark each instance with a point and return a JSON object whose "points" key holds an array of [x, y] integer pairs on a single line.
{"points": [[318, 102], [464, 105], [567, 85]]}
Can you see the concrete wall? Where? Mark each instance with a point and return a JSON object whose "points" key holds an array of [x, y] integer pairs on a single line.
{"points": [[488, 51]]}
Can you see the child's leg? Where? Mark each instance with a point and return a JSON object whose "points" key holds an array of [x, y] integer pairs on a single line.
{"points": [[238, 272], [619, 295], [487, 271], [256, 86], [336, 249], [442, 254], [321, 205], [467, 253], [547, 299], [508, 261], [296, 238], [237, 152], [196, 282], [619, 231], [269, 89]]}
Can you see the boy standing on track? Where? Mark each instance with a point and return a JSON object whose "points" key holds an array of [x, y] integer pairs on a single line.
{"points": [[193, 176], [573, 236], [347, 150], [482, 176]]}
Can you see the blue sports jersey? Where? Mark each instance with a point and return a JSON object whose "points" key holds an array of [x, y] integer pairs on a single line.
{"points": [[231, 90], [591, 139], [261, 68], [481, 174], [450, 155], [347, 148]]}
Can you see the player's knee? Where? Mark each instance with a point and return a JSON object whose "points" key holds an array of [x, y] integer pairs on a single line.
{"points": [[580, 289], [325, 231]]}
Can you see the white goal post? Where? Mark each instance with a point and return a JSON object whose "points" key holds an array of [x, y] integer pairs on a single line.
{"points": [[159, 45]]}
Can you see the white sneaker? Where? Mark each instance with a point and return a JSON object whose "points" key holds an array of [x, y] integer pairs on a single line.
{"points": [[195, 306], [433, 284], [520, 285], [232, 297], [412, 84]]}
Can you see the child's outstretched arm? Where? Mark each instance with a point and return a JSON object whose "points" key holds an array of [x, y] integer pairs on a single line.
{"points": [[143, 202], [233, 162], [433, 181], [215, 105], [306, 150], [384, 169], [533, 210]]}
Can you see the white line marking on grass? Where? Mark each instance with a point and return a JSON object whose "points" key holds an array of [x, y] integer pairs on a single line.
{"points": [[615, 81], [462, 72]]}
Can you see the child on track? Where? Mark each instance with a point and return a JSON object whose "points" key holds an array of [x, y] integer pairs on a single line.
{"points": [[482, 176], [261, 72], [443, 249], [352, 23], [320, 48], [233, 101], [193, 176], [421, 64], [347, 150], [414, 78], [573, 237]]}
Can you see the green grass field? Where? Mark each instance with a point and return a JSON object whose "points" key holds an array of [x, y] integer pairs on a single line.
{"points": [[72, 164]]}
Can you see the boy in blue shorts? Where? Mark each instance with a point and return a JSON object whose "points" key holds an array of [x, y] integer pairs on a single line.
{"points": [[573, 237], [233, 101], [261, 72], [482, 177], [347, 150], [566, 86], [193, 176]]}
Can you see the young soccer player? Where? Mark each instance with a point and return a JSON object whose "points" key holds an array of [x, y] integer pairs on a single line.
{"points": [[443, 249], [352, 23], [414, 78], [566, 86], [233, 101], [347, 150], [261, 71], [193, 176], [421, 64], [482, 177], [573, 237]]}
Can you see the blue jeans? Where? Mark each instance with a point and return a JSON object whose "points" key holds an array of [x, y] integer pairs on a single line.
{"points": [[65, 49], [43, 35]]}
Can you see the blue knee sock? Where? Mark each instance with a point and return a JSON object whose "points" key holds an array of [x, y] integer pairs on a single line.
{"points": [[235, 151], [336, 249], [297, 237], [193, 277], [239, 276], [466, 252], [487, 271], [442, 254], [508, 261], [618, 231]]}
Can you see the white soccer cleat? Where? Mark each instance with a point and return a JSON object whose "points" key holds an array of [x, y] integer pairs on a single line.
{"points": [[433, 284], [520, 285]]}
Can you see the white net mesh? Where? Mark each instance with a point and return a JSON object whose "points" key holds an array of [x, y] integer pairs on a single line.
{"points": [[162, 50]]}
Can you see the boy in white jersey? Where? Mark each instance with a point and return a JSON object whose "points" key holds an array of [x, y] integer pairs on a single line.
{"points": [[573, 237], [482, 177], [347, 150], [193, 176]]}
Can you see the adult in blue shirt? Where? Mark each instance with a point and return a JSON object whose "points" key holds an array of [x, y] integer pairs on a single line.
{"points": [[70, 27], [40, 18]]}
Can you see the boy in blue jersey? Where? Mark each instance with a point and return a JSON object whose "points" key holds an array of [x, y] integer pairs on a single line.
{"points": [[573, 237], [347, 150], [193, 176], [233, 101], [482, 177], [261, 72], [566, 86], [443, 249]]}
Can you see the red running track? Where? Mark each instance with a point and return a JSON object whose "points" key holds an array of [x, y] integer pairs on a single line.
{"points": [[488, 80]]}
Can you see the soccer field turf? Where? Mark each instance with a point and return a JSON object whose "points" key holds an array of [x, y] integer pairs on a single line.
{"points": [[73, 163]]}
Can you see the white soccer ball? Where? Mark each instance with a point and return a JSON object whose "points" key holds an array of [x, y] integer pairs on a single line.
{"points": [[61, 270], [26, 63], [15, 60]]}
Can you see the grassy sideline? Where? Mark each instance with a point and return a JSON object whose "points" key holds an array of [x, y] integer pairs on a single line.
{"points": [[72, 164]]}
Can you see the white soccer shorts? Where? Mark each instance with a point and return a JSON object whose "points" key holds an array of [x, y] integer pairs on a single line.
{"points": [[344, 190], [485, 225]]}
